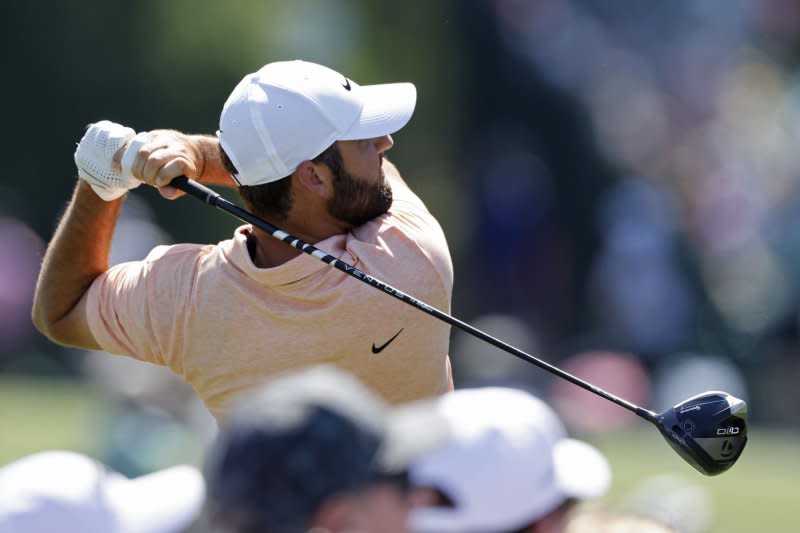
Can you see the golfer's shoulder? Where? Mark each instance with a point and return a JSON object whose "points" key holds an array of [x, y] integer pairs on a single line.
{"points": [[385, 244], [409, 213], [175, 254], [410, 221]]}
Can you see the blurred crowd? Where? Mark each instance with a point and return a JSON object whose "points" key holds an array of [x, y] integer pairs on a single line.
{"points": [[652, 210], [645, 241], [315, 451]]}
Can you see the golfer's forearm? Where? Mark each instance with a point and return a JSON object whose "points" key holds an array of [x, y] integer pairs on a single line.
{"points": [[213, 172], [76, 255]]}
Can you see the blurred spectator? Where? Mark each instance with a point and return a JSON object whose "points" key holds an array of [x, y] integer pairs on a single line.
{"points": [[150, 416], [480, 363], [695, 99], [508, 466], [19, 263], [316, 450], [672, 500], [535, 178], [620, 374], [650, 164], [640, 298], [688, 374], [607, 521], [71, 493]]}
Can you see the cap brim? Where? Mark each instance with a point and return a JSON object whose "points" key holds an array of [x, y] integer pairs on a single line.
{"points": [[166, 501], [386, 109], [581, 471]]}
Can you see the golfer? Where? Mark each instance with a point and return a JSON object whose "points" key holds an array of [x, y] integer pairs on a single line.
{"points": [[305, 146]]}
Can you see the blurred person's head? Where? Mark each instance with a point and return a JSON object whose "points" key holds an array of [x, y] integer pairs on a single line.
{"points": [[71, 493], [316, 449], [508, 467]]}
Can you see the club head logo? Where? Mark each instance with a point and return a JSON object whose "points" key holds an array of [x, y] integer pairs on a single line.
{"points": [[727, 448]]}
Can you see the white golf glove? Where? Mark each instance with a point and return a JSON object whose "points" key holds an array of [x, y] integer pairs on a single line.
{"points": [[93, 159]]}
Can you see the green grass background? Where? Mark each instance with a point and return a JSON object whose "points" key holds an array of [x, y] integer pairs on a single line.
{"points": [[760, 493]]}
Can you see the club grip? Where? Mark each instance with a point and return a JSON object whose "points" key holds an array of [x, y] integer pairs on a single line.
{"points": [[195, 189]]}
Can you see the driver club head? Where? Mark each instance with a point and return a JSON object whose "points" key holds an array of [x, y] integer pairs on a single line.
{"points": [[708, 430]]}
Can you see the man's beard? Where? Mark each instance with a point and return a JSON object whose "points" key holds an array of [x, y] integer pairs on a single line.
{"points": [[356, 201]]}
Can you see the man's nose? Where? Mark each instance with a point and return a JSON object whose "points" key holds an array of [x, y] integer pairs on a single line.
{"points": [[383, 143]]}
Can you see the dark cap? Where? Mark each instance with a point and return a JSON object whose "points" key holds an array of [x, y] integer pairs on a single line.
{"points": [[303, 438]]}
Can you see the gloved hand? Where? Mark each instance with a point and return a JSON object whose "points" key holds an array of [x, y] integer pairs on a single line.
{"points": [[93, 157]]}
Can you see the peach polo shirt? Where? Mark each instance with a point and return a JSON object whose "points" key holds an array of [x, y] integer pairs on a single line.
{"points": [[225, 326]]}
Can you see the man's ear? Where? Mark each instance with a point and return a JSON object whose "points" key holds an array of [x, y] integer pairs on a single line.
{"points": [[315, 178]]}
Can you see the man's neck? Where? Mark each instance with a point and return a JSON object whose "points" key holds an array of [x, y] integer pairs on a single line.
{"points": [[266, 251], [308, 220]]}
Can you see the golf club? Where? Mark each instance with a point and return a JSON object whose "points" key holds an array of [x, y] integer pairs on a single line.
{"points": [[709, 431]]}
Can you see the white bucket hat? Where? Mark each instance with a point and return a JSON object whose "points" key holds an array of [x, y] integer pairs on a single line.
{"points": [[69, 492], [291, 111], [508, 464]]}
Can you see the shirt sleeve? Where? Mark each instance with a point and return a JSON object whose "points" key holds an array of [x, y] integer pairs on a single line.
{"points": [[140, 308]]}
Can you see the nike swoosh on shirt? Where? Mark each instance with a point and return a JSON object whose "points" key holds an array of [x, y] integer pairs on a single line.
{"points": [[379, 349]]}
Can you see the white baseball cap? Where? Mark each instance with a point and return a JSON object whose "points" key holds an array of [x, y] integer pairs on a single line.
{"points": [[69, 492], [509, 463], [291, 111]]}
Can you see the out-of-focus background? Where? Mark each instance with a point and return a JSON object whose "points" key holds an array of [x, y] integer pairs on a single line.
{"points": [[619, 182]]}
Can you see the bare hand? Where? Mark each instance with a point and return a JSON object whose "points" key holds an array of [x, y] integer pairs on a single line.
{"points": [[156, 157]]}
